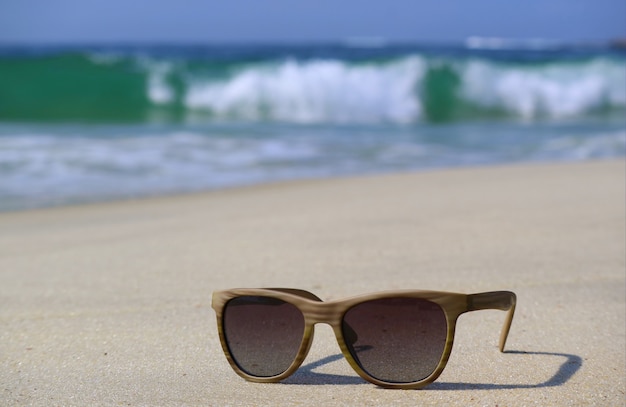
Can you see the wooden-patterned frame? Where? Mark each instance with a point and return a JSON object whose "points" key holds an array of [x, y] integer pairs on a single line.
{"points": [[316, 311]]}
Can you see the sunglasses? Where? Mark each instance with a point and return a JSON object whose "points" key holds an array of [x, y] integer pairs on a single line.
{"points": [[394, 339]]}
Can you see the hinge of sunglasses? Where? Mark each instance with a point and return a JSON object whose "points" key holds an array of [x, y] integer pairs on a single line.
{"points": [[501, 300]]}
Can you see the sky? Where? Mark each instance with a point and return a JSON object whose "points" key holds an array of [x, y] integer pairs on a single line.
{"points": [[210, 21]]}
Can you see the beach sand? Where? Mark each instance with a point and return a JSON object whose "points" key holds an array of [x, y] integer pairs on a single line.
{"points": [[109, 304]]}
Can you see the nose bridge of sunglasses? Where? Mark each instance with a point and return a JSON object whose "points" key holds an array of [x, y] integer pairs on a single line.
{"points": [[318, 312]]}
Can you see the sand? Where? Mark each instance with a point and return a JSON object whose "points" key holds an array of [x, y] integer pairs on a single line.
{"points": [[109, 304]]}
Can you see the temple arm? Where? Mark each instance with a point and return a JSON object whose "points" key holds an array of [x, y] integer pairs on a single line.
{"points": [[502, 300]]}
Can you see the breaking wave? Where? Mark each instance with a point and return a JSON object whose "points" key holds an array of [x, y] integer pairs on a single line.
{"points": [[403, 89]]}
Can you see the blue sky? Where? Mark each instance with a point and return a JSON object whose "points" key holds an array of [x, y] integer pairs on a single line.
{"points": [[55, 21]]}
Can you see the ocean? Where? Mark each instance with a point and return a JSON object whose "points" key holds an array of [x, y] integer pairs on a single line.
{"points": [[85, 123]]}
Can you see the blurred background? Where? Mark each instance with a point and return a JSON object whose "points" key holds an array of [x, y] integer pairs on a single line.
{"points": [[109, 100]]}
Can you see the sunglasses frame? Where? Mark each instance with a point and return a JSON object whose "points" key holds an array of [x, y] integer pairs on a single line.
{"points": [[332, 313]]}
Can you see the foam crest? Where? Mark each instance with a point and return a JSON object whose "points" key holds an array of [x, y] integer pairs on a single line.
{"points": [[159, 91], [314, 91], [555, 91]]}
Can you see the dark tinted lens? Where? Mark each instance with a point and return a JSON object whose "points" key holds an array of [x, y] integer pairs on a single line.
{"points": [[398, 340], [263, 334]]}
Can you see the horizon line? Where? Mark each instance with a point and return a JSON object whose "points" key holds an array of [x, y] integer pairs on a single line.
{"points": [[484, 42]]}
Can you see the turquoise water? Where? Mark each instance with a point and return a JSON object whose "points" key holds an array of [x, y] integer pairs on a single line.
{"points": [[81, 124]]}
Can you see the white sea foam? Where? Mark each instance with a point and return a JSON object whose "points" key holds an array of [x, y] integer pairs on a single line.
{"points": [[332, 91], [159, 91], [499, 43], [72, 164], [581, 148], [315, 91], [46, 168], [554, 91]]}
